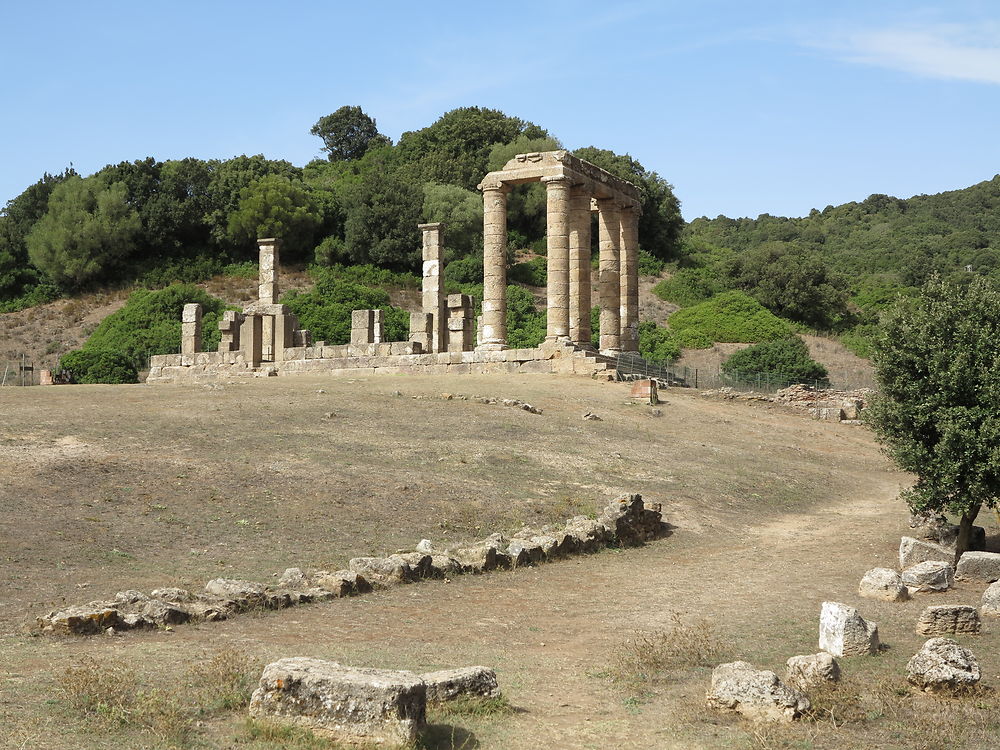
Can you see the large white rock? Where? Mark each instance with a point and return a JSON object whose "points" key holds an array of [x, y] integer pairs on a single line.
{"points": [[913, 551], [943, 664], [346, 704], [932, 575], [843, 632], [884, 584], [990, 605], [978, 566], [808, 671], [755, 693]]}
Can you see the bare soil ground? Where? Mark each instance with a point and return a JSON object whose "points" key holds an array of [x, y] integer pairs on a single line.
{"points": [[104, 488]]}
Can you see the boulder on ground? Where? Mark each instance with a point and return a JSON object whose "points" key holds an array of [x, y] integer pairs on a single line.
{"points": [[525, 552], [630, 522], [941, 664], [884, 584], [843, 632], [383, 571], [990, 605], [465, 682], [172, 595], [83, 619], [443, 566], [913, 551], [159, 612], [946, 619], [804, 672], [978, 566], [755, 693], [292, 577], [420, 563], [130, 596], [239, 595], [590, 535], [346, 704], [932, 575]]}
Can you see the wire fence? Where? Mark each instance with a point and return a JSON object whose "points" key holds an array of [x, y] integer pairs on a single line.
{"points": [[631, 366], [18, 372]]}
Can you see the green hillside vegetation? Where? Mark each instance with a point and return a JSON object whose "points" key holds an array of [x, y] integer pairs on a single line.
{"points": [[781, 362]]}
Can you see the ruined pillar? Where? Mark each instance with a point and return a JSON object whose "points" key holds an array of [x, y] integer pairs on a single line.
{"points": [[191, 329], [362, 327], [579, 266], [460, 322], [378, 326], [422, 329], [609, 284], [557, 192], [433, 285], [494, 266], [267, 290], [230, 328], [629, 282], [251, 338]]}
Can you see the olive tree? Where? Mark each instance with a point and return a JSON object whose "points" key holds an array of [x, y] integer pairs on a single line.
{"points": [[937, 410]]}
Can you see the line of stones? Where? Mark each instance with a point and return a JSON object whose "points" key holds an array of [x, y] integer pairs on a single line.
{"points": [[626, 521]]}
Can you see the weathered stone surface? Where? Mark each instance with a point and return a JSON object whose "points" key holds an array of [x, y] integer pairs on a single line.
{"points": [[171, 595], [420, 563], [941, 664], [465, 682], [477, 558], [444, 566], [804, 672], [978, 566], [131, 596], [843, 632], [913, 551], [590, 535], [932, 575], [84, 619], [242, 594], [292, 577], [884, 584], [160, 612], [346, 704], [946, 619], [990, 605], [341, 582], [630, 522], [755, 693], [383, 571], [525, 552]]}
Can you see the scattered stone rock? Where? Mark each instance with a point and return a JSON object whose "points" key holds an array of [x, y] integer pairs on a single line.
{"points": [[292, 577], [884, 584], [843, 632], [477, 558], [424, 545], [941, 664], [420, 563], [804, 672], [591, 417], [913, 551], [756, 694], [466, 682], [990, 606], [130, 596], [172, 595], [525, 552], [630, 522], [158, 612], [241, 595], [946, 619], [979, 566], [383, 571], [341, 583], [932, 575], [84, 619], [346, 704], [590, 535]]}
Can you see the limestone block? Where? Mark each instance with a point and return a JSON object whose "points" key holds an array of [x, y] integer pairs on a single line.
{"points": [[804, 672], [383, 571], [844, 632], [941, 664], [84, 619], [364, 319], [525, 551], [341, 582], [990, 604], [158, 612], [884, 584], [476, 558], [947, 619], [913, 551], [242, 594], [171, 594], [465, 682], [591, 535], [932, 575], [756, 694], [978, 566], [345, 704]]}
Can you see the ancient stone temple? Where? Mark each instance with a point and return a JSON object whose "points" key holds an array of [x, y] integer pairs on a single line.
{"points": [[444, 335]]}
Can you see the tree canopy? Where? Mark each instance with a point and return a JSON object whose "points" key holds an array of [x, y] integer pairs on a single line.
{"points": [[348, 133]]}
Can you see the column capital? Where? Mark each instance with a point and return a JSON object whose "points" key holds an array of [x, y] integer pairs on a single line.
{"points": [[494, 186], [431, 227], [269, 242], [558, 180]]}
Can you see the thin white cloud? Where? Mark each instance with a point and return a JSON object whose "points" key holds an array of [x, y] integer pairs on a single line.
{"points": [[944, 51]]}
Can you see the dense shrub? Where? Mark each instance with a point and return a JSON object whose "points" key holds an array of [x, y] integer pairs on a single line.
{"points": [[468, 270], [733, 317], [326, 310], [650, 265], [100, 366], [657, 344], [366, 275], [35, 295], [525, 323], [532, 272], [785, 360], [689, 286], [156, 273]]}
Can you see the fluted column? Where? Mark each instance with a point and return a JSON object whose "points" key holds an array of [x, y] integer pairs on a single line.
{"points": [[609, 285], [629, 281], [557, 242], [494, 332], [579, 266]]}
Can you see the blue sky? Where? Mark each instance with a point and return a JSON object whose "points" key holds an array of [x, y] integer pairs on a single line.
{"points": [[745, 107]]}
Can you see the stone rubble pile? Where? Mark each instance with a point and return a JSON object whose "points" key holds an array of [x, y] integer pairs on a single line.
{"points": [[821, 403], [625, 521]]}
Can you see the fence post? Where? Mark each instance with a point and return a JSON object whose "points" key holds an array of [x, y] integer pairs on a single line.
{"points": [[696, 377]]}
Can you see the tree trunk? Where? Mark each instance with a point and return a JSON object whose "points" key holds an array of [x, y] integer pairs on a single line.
{"points": [[965, 531]]}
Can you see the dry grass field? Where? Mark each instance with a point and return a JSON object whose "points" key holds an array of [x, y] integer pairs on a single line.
{"points": [[104, 488]]}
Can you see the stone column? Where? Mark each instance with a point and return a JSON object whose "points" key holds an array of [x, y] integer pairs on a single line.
{"points": [[579, 266], [433, 285], [629, 282], [362, 327], [460, 322], [267, 291], [230, 327], [557, 191], [609, 284], [251, 332], [191, 329], [494, 266]]}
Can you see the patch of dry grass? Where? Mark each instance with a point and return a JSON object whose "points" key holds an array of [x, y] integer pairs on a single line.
{"points": [[646, 657]]}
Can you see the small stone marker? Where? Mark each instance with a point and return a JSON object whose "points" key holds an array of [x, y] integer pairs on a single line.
{"points": [[946, 619], [755, 693], [645, 391], [465, 682], [942, 665], [843, 632], [978, 566], [805, 672], [884, 584], [932, 575], [346, 704]]}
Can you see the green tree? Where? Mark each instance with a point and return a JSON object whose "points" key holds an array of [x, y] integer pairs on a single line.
{"points": [[784, 361], [348, 133], [225, 190], [89, 227], [275, 206], [937, 409], [462, 212], [381, 226]]}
